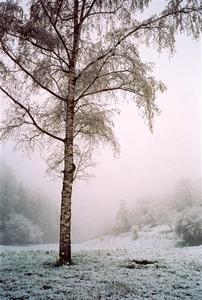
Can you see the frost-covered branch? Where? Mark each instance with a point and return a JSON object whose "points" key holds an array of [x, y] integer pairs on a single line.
{"points": [[33, 121]]}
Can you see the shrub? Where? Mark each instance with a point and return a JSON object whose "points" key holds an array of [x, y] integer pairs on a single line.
{"points": [[189, 227]]}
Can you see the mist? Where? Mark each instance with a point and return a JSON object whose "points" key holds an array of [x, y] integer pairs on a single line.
{"points": [[150, 164]]}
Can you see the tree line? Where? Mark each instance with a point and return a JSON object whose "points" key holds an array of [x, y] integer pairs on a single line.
{"points": [[26, 217], [181, 210]]}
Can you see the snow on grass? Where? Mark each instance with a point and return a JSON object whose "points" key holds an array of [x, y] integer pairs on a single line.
{"points": [[150, 267]]}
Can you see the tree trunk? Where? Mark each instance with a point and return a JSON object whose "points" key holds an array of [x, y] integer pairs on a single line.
{"points": [[69, 167], [65, 214]]}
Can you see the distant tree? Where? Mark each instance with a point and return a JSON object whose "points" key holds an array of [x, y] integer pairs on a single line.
{"points": [[123, 221], [187, 194], [134, 231], [62, 61], [45, 214], [40, 210], [20, 230], [8, 197], [136, 216], [25, 207], [145, 212], [168, 217], [23, 201], [189, 226]]}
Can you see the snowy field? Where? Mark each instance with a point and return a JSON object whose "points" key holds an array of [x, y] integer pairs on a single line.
{"points": [[151, 267]]}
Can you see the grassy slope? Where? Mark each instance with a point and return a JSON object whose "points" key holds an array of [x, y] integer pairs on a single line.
{"points": [[106, 269]]}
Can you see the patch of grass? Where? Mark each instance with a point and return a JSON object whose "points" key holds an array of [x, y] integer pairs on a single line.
{"points": [[136, 264]]}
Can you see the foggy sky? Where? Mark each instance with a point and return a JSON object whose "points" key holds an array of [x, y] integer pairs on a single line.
{"points": [[149, 164]]}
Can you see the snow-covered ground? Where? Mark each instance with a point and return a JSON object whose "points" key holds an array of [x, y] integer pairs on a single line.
{"points": [[151, 267]]}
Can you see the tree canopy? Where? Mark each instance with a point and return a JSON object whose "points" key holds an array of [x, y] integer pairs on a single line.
{"points": [[36, 46]]}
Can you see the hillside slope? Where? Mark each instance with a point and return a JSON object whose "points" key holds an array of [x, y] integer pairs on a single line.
{"points": [[151, 267]]}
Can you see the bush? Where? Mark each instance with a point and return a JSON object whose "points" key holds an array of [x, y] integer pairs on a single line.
{"points": [[189, 227], [20, 230]]}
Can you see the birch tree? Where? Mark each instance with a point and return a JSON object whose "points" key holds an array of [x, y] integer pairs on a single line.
{"points": [[61, 64]]}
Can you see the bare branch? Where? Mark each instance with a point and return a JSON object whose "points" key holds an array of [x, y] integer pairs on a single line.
{"points": [[143, 25], [58, 11], [89, 10], [56, 30], [93, 81], [30, 74], [30, 116]]}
